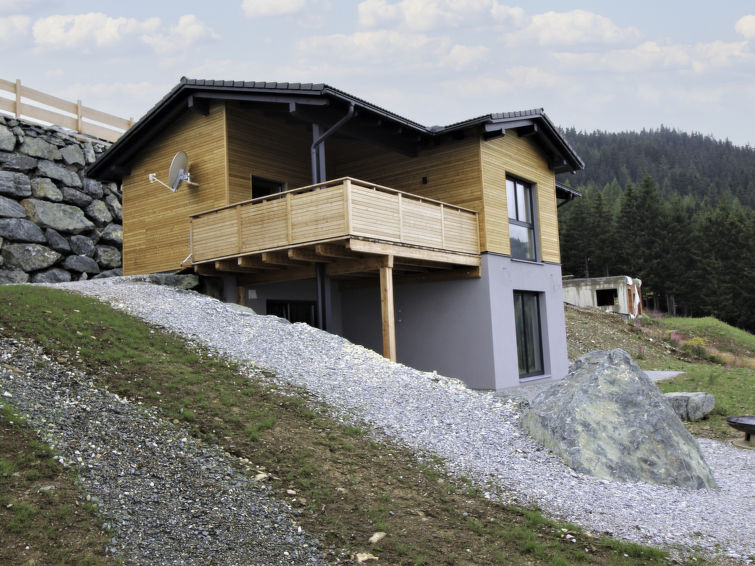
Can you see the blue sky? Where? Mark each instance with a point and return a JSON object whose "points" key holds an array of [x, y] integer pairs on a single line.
{"points": [[591, 64]]}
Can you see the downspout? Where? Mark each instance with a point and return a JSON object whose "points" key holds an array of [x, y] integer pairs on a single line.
{"points": [[317, 175]]}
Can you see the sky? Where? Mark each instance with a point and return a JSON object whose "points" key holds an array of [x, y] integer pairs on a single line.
{"points": [[594, 65]]}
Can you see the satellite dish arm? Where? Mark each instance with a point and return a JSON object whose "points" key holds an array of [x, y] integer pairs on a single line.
{"points": [[153, 178]]}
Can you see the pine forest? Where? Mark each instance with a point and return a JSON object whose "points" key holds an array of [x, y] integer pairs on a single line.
{"points": [[676, 210]]}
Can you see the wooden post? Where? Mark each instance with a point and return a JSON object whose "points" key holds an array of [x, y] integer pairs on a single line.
{"points": [[18, 98], [79, 117], [347, 204], [386, 304]]}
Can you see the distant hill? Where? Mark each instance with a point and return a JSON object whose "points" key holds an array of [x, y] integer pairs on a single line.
{"points": [[681, 163]]}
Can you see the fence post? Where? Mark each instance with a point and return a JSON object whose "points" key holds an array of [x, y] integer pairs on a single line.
{"points": [[18, 98], [79, 118]]}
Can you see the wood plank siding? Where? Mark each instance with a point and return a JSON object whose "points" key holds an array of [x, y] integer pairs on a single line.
{"points": [[337, 210], [451, 169], [521, 157], [156, 220], [449, 197], [267, 147]]}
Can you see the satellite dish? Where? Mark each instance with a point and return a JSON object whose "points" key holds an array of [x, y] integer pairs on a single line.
{"points": [[179, 170], [177, 174]]}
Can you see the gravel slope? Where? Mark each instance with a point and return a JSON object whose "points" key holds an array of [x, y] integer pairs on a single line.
{"points": [[475, 432]]}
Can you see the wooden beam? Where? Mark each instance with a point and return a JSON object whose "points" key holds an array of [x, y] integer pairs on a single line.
{"points": [[358, 265], [364, 246], [387, 310], [253, 262], [308, 255], [230, 265], [205, 269], [277, 258], [333, 250], [448, 275], [307, 272]]}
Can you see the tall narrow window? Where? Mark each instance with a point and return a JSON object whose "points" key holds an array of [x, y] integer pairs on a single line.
{"points": [[521, 219], [529, 343]]}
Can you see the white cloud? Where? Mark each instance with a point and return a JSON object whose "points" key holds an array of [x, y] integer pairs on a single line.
{"points": [[73, 30], [426, 15], [188, 31], [262, 8], [13, 27], [382, 46], [719, 54], [650, 56], [464, 56], [572, 28], [746, 26]]}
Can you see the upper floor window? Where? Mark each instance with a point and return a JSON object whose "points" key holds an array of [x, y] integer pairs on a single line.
{"points": [[521, 219]]}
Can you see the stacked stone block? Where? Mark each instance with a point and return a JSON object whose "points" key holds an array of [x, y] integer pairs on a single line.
{"points": [[55, 223]]}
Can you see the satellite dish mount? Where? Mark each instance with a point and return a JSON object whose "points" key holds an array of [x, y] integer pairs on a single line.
{"points": [[178, 173]]}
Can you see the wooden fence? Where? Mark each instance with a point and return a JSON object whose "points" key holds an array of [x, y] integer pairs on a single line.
{"points": [[75, 115]]}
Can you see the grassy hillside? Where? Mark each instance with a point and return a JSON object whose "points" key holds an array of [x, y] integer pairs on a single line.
{"points": [[716, 358], [344, 495]]}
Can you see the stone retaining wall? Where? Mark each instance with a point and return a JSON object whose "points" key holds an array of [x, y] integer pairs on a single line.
{"points": [[55, 223]]}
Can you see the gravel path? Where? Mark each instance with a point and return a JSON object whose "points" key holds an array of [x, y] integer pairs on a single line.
{"points": [[475, 432]]}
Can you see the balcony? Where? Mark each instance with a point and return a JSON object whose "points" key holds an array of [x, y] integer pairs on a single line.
{"points": [[350, 225]]}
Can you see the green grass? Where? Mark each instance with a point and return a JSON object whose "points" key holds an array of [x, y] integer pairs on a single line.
{"points": [[713, 331], [722, 364], [31, 518], [347, 485]]}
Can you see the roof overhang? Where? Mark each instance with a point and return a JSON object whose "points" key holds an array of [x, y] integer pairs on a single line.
{"points": [[324, 105]]}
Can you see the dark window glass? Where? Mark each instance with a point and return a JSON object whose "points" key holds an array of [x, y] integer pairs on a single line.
{"points": [[607, 297], [293, 311], [529, 344], [262, 187], [521, 219]]}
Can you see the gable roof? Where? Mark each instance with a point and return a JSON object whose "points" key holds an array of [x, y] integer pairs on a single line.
{"points": [[326, 105]]}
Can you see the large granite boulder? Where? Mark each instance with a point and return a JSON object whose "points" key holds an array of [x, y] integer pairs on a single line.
{"points": [[606, 418], [29, 257], [7, 139], [61, 217], [59, 173], [14, 184], [21, 230], [9, 208]]}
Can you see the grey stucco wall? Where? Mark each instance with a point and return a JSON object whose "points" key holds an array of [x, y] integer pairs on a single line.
{"points": [[463, 328], [466, 328], [302, 290]]}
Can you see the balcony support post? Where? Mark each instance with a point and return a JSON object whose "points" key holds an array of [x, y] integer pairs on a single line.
{"points": [[323, 296], [387, 309]]}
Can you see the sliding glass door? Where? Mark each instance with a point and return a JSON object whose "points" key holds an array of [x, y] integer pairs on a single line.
{"points": [[529, 344]]}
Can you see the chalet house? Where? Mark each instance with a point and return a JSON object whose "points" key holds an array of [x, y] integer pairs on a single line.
{"points": [[436, 245]]}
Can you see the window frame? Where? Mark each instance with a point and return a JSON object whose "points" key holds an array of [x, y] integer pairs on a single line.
{"points": [[524, 340], [529, 189]]}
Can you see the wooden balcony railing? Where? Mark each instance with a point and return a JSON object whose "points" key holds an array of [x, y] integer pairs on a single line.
{"points": [[335, 210]]}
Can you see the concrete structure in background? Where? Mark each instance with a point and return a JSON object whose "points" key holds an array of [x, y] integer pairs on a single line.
{"points": [[620, 294]]}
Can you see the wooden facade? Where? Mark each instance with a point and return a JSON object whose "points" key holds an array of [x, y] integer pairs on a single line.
{"points": [[232, 143], [155, 220]]}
